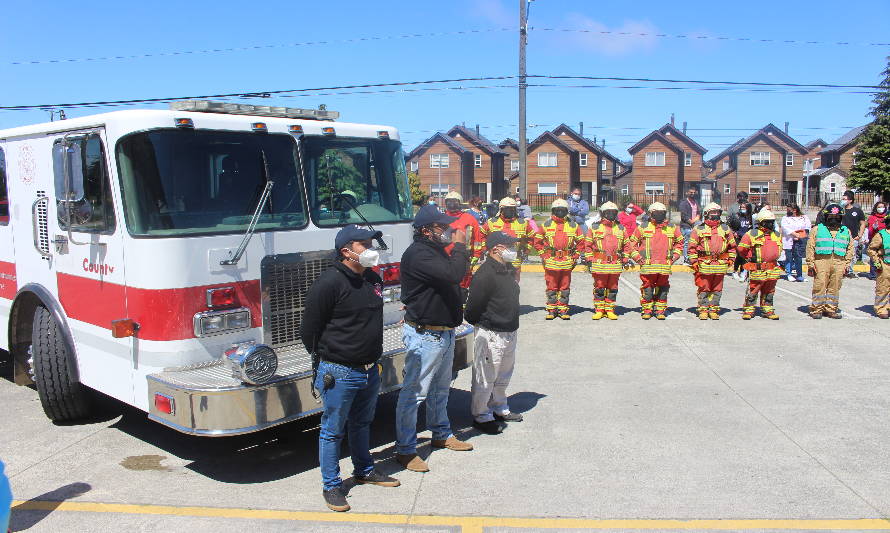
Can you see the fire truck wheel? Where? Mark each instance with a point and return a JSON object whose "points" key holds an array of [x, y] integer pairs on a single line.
{"points": [[62, 396]]}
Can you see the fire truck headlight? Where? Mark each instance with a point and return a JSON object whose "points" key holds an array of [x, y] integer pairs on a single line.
{"points": [[252, 363], [213, 322]]}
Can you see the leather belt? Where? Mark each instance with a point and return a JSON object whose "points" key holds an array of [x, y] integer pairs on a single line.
{"points": [[418, 327]]}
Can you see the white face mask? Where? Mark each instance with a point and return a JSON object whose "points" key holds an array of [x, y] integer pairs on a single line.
{"points": [[369, 258], [508, 255], [576, 197], [628, 210], [881, 210]]}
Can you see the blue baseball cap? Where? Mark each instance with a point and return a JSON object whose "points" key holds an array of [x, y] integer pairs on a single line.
{"points": [[499, 237], [430, 214], [352, 233]]}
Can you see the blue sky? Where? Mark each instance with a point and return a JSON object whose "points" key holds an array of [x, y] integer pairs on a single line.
{"points": [[42, 31]]}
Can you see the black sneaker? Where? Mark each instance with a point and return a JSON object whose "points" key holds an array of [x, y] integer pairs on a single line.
{"points": [[376, 478], [492, 427], [336, 499], [509, 417]]}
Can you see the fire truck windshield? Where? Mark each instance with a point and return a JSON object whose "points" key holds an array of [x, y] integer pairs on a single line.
{"points": [[346, 177], [189, 182]]}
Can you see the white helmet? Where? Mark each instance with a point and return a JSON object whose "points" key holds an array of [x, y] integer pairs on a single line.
{"points": [[607, 206], [454, 195], [657, 206], [765, 214], [713, 206], [508, 202], [559, 202]]}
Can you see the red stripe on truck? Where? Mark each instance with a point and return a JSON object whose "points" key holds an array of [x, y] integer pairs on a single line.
{"points": [[162, 314], [8, 283]]}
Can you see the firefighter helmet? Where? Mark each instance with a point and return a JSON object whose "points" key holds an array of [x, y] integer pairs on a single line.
{"points": [[559, 202], [508, 202], [765, 214], [608, 205], [713, 206], [454, 195], [833, 209], [657, 206]]}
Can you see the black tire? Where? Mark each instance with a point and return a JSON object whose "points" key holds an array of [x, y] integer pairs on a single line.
{"points": [[62, 396]]}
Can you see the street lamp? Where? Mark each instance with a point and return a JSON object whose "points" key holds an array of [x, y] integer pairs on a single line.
{"points": [[807, 170]]}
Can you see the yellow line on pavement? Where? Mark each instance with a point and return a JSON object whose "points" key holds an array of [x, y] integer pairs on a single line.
{"points": [[468, 524]]}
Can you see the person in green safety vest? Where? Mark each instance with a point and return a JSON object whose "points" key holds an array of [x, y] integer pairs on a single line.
{"points": [[879, 252], [829, 253]]}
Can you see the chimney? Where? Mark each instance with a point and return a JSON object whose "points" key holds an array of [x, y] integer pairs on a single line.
{"points": [[672, 119], [786, 128], [604, 144], [594, 139], [477, 130], [684, 127], [581, 128]]}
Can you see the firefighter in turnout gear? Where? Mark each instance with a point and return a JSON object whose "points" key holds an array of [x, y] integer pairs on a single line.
{"points": [[760, 248], [606, 246], [468, 223], [509, 222], [830, 251], [655, 247], [712, 250], [559, 242], [879, 252]]}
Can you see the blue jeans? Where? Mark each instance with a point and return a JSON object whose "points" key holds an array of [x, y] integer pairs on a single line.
{"points": [[349, 402], [686, 231], [427, 377], [794, 258]]}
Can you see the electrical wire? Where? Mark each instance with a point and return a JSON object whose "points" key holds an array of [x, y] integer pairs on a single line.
{"points": [[706, 37]]}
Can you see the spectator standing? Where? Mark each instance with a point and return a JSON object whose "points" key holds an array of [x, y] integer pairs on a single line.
{"points": [[795, 231], [689, 217], [628, 217], [854, 220], [578, 208], [477, 211], [873, 225], [740, 221]]}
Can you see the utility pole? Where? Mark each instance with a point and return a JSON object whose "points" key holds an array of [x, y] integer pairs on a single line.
{"points": [[523, 148]]}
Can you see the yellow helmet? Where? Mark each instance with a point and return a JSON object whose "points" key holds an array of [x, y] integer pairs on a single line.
{"points": [[559, 202], [455, 195], [508, 202], [607, 206], [657, 206], [765, 214], [713, 206]]}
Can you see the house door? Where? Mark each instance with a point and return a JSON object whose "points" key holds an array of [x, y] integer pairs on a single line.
{"points": [[587, 192], [707, 193]]}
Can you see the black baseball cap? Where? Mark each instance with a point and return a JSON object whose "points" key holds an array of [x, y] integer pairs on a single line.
{"points": [[352, 233], [430, 214], [499, 237]]}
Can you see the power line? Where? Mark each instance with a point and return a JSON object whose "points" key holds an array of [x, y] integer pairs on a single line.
{"points": [[254, 47], [706, 82], [708, 37]]}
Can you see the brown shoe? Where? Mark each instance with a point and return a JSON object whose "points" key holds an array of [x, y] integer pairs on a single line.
{"points": [[412, 462], [452, 443]]}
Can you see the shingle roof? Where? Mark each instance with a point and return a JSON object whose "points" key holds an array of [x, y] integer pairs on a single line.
{"points": [[812, 144], [509, 142], [479, 140], [654, 135], [713, 161], [438, 136], [844, 140], [683, 137], [548, 136]]}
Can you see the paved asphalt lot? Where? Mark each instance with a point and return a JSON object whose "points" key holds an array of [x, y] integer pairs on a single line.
{"points": [[629, 425]]}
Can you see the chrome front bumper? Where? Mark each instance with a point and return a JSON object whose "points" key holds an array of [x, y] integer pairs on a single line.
{"points": [[209, 401]]}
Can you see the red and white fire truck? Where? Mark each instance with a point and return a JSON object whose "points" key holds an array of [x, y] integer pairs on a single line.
{"points": [[162, 257]]}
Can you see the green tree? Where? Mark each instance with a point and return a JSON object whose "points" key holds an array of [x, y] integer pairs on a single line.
{"points": [[416, 192], [872, 169]]}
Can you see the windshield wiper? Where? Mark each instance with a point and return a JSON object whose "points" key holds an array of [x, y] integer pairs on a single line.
{"points": [[264, 198], [382, 245]]}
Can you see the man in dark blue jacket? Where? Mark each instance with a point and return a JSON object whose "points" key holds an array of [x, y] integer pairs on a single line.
{"points": [[433, 308]]}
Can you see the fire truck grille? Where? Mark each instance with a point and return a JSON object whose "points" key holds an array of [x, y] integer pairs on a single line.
{"points": [[285, 280]]}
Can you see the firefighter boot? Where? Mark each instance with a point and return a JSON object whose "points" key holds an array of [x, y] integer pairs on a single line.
{"points": [[661, 303], [766, 306], [610, 304], [703, 305], [563, 304], [714, 311], [599, 296], [748, 309], [646, 297], [551, 305]]}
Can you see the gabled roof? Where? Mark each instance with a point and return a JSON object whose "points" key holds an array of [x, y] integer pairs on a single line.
{"points": [[477, 139], [509, 142], [713, 161], [438, 136], [759, 135], [547, 136], [844, 141], [683, 137], [771, 128], [812, 144], [583, 141], [627, 170], [651, 137], [824, 171]]}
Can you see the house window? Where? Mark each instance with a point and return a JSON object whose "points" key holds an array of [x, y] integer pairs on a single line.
{"points": [[654, 188], [604, 164], [625, 190], [4, 194], [654, 159], [726, 164], [414, 166], [439, 190], [477, 161], [727, 189], [547, 159], [582, 160], [832, 187], [514, 165], [759, 159], [617, 168], [789, 160], [687, 159], [438, 160], [546, 188], [758, 187]]}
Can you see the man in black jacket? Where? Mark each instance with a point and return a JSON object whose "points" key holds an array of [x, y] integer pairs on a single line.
{"points": [[343, 325], [493, 307], [433, 308], [689, 216]]}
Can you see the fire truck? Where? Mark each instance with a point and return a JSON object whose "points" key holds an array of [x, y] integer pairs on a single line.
{"points": [[162, 257]]}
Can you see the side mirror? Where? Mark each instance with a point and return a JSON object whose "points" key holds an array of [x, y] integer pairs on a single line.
{"points": [[69, 183]]}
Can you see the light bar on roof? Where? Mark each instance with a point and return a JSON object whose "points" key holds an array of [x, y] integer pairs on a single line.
{"points": [[229, 108]]}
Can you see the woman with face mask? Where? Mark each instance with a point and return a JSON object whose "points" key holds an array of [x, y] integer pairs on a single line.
{"points": [[875, 224], [795, 230]]}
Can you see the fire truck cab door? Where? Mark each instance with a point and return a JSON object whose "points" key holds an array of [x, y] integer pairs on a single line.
{"points": [[87, 237]]}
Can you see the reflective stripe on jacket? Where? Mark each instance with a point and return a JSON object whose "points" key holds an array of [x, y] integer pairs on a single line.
{"points": [[518, 227], [560, 243], [708, 260], [606, 247], [828, 245]]}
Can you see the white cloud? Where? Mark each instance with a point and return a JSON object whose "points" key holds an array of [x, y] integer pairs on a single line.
{"points": [[496, 12], [632, 36]]}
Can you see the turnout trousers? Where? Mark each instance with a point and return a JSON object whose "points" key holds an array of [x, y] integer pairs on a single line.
{"points": [[605, 291], [827, 284], [558, 290], [882, 290], [709, 288], [654, 290]]}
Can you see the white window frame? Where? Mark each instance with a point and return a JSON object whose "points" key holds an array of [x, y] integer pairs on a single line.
{"points": [[439, 161], [762, 187], [760, 159], [654, 188], [440, 190], [727, 188], [477, 161], [582, 160], [547, 159], [832, 187], [514, 165], [789, 160], [414, 166], [655, 159], [726, 164], [625, 190], [687, 159], [604, 165], [548, 188]]}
